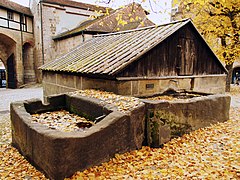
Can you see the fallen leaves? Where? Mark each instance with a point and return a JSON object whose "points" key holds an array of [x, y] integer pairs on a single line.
{"points": [[235, 90], [15, 166], [122, 103], [175, 96], [5, 130], [62, 120], [209, 153]]}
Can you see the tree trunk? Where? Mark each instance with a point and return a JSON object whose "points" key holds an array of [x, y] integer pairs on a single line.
{"points": [[229, 77]]}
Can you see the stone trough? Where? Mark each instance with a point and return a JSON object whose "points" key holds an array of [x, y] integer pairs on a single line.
{"points": [[181, 113], [153, 121], [60, 154]]}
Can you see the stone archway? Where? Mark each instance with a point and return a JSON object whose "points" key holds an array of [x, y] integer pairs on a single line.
{"points": [[3, 53], [7, 51], [28, 63], [236, 73]]}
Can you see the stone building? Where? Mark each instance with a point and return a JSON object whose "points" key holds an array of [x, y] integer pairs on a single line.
{"points": [[139, 62], [133, 15], [17, 43], [54, 22], [28, 35], [52, 17]]}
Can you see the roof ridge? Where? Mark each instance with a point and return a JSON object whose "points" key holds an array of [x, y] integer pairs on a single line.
{"points": [[9, 4], [143, 28], [76, 4]]}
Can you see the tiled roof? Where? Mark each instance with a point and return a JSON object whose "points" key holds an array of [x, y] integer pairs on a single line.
{"points": [[108, 54], [15, 7], [75, 4], [109, 23]]}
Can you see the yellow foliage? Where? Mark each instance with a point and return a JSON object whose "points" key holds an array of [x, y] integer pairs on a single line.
{"points": [[218, 21], [131, 19]]}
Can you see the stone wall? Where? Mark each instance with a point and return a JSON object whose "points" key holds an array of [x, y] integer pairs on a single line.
{"points": [[63, 46], [3, 53], [49, 21], [28, 64], [149, 86], [55, 83], [38, 56]]}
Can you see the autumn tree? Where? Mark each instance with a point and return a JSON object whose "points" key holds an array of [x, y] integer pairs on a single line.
{"points": [[218, 21]]}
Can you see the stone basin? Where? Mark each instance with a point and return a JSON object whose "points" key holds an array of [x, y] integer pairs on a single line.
{"points": [[60, 154], [166, 119]]}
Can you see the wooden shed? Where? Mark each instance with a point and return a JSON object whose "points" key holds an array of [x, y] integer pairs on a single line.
{"points": [[139, 62]]}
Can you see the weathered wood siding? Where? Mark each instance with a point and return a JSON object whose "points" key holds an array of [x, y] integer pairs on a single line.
{"points": [[182, 54]]}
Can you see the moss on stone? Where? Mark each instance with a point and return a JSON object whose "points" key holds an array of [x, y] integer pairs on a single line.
{"points": [[74, 110]]}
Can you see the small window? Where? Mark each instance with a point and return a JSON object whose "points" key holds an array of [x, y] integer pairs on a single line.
{"points": [[22, 20], [149, 86], [10, 15]]}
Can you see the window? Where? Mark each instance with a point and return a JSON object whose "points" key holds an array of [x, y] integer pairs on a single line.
{"points": [[22, 19], [2, 74], [10, 15], [149, 86]]}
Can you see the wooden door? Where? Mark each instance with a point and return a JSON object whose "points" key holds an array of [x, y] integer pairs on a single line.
{"points": [[187, 56]]}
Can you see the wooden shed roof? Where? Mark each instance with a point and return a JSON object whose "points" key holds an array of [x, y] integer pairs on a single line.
{"points": [[109, 23], [75, 4], [108, 54]]}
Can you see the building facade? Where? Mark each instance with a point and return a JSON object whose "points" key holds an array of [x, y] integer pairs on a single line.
{"points": [[28, 35], [17, 43], [52, 17]]}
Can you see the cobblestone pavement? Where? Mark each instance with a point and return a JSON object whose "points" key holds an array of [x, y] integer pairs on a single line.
{"points": [[235, 96], [10, 95]]}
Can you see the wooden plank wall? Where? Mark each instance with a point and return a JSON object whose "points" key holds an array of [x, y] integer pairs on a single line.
{"points": [[183, 53]]}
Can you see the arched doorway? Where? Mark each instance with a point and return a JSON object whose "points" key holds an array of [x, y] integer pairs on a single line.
{"points": [[7, 50], [28, 64], [236, 75]]}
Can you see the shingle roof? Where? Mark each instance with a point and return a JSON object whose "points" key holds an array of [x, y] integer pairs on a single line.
{"points": [[108, 54], [109, 23], [75, 4], [15, 7]]}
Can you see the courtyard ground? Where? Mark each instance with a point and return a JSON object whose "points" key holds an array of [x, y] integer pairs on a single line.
{"points": [[208, 153]]}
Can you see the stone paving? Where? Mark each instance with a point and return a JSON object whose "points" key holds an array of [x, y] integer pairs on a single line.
{"points": [[235, 96], [10, 95]]}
